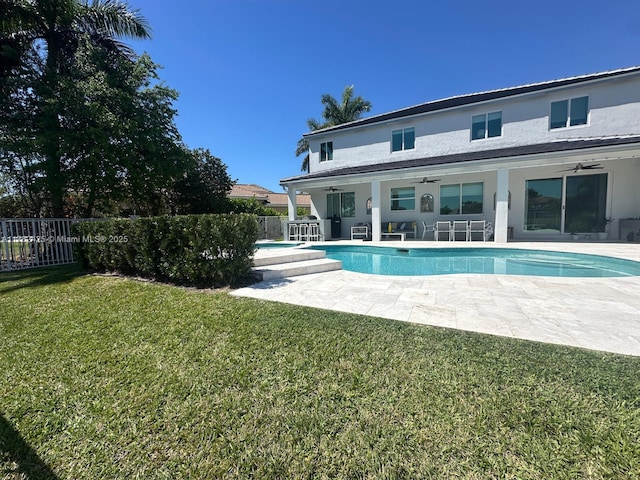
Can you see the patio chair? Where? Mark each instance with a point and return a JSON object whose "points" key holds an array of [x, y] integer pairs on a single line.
{"points": [[460, 228], [442, 228], [477, 229], [428, 228]]}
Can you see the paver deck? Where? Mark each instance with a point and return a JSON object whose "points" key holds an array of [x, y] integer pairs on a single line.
{"points": [[593, 313]]}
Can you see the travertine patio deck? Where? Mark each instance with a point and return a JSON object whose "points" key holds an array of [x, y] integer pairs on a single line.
{"points": [[594, 313]]}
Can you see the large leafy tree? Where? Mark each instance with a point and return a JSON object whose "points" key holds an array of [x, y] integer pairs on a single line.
{"points": [[203, 188], [39, 43], [121, 144], [335, 112]]}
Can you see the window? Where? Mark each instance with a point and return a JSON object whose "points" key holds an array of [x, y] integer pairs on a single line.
{"points": [[404, 139], [465, 198], [368, 206], [403, 198], [426, 203], [341, 204], [326, 151], [487, 125], [568, 113]]}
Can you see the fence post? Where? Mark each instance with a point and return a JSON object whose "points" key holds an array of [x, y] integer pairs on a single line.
{"points": [[5, 244]]}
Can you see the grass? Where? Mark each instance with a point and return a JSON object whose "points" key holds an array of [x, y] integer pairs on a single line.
{"points": [[104, 377]]}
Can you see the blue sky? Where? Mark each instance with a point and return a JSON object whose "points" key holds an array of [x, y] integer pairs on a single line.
{"points": [[251, 72]]}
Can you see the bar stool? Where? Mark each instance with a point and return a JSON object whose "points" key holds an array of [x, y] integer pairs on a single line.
{"points": [[303, 232], [294, 232], [314, 232]]}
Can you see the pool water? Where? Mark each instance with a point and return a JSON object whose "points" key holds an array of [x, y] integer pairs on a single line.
{"points": [[443, 261], [276, 244]]}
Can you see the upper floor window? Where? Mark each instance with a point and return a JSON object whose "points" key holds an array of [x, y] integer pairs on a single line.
{"points": [[486, 125], [567, 113], [326, 151], [404, 139], [403, 198]]}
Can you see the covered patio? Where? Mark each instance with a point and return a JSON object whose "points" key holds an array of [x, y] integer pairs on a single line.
{"points": [[580, 188]]}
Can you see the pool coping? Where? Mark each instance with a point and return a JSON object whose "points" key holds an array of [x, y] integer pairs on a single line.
{"points": [[594, 313]]}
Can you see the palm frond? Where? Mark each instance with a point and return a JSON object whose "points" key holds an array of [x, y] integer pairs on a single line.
{"points": [[113, 18], [302, 147]]}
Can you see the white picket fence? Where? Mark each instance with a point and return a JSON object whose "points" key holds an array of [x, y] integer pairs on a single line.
{"points": [[35, 242], [38, 242]]}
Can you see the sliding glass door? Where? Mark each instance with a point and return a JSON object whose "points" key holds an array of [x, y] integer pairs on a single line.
{"points": [[575, 203], [586, 203], [544, 205]]}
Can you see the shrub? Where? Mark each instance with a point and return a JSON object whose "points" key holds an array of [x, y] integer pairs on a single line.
{"points": [[196, 250]]}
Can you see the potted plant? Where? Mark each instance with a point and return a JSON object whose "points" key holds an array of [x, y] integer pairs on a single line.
{"points": [[603, 234]]}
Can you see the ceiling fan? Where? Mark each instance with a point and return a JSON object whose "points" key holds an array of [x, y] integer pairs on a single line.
{"points": [[426, 180], [580, 166], [333, 189]]}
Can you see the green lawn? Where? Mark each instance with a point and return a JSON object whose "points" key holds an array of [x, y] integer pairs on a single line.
{"points": [[103, 377]]}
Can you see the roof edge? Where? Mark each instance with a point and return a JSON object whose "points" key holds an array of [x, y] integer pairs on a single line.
{"points": [[540, 148], [471, 98]]}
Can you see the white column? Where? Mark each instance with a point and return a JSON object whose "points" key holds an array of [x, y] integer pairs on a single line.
{"points": [[502, 206], [291, 202], [376, 218]]}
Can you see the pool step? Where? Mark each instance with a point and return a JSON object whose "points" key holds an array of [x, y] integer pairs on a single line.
{"points": [[282, 263]]}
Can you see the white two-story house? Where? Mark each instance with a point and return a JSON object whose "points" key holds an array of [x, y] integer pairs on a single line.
{"points": [[539, 161]]}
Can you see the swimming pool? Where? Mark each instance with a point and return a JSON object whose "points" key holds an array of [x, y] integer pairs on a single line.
{"points": [[276, 244], [505, 261]]}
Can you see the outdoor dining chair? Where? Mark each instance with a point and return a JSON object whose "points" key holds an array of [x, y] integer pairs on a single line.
{"points": [[442, 229], [460, 229], [477, 229], [427, 228]]}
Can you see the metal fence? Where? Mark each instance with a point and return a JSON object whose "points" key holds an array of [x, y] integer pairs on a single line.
{"points": [[270, 227], [35, 242]]}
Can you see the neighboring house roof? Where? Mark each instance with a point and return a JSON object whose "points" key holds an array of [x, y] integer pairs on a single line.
{"points": [[550, 147], [272, 199], [249, 191], [281, 199], [471, 98]]}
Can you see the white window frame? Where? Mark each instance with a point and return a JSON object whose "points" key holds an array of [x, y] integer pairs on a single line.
{"points": [[391, 199], [404, 140], [461, 186], [486, 126], [328, 150], [567, 123]]}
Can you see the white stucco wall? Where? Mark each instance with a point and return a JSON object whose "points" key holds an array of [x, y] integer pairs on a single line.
{"points": [[614, 109]]}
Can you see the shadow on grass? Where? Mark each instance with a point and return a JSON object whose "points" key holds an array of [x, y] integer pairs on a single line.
{"points": [[38, 277], [18, 458]]}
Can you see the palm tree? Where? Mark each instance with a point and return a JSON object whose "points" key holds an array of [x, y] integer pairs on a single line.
{"points": [[59, 26], [334, 113]]}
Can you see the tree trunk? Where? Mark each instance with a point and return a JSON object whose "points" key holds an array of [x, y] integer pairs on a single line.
{"points": [[50, 134]]}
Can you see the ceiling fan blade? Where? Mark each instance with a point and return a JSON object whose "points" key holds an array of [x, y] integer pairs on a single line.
{"points": [[426, 180], [595, 166]]}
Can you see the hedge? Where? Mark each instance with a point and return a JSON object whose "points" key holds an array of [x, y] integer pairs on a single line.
{"points": [[194, 250]]}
